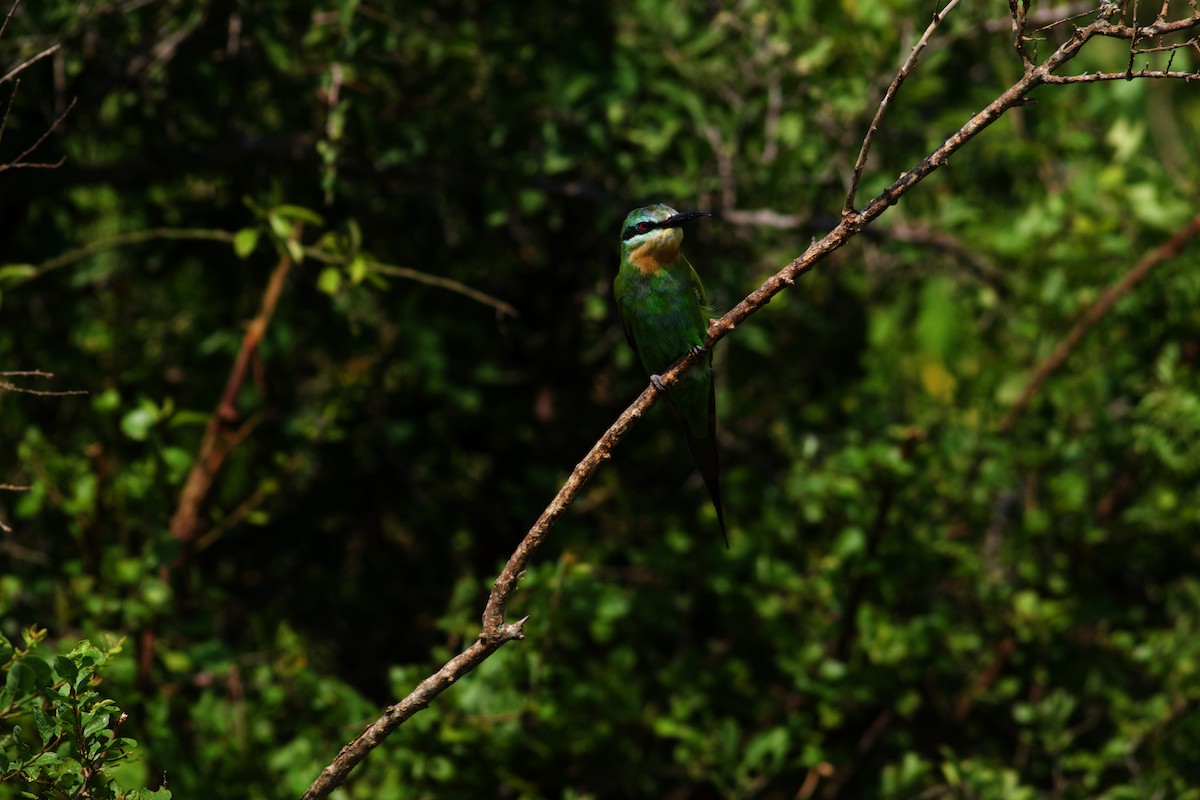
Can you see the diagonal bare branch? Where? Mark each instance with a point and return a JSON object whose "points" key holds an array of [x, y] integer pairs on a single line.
{"points": [[19, 68]]}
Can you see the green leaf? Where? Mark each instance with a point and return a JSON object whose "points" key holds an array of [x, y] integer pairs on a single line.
{"points": [[330, 280], [23, 751], [244, 241], [279, 226], [178, 461], [85, 675], [137, 424], [6, 649], [19, 680], [94, 721], [11, 274], [42, 674], [298, 214], [46, 727], [295, 249]]}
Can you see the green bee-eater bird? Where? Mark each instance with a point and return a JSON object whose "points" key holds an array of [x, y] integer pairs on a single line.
{"points": [[665, 313]]}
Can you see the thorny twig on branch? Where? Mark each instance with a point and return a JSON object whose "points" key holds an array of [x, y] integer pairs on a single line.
{"points": [[495, 631]]}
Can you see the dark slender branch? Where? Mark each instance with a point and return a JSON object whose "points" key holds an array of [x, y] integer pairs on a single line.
{"points": [[11, 10], [1095, 313], [909, 64], [19, 68], [19, 162], [1133, 41], [1096, 77], [764, 217], [1019, 11], [962, 709], [34, 373], [426, 278], [216, 235], [495, 631], [841, 777], [125, 239]]}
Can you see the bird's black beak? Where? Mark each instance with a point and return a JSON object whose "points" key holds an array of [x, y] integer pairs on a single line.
{"points": [[682, 217]]}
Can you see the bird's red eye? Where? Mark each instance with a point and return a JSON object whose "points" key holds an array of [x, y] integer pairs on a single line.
{"points": [[643, 227]]}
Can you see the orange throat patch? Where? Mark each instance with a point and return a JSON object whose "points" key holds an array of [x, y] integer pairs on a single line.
{"points": [[661, 250]]}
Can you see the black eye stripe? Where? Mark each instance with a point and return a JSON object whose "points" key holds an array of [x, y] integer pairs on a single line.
{"points": [[634, 230]]}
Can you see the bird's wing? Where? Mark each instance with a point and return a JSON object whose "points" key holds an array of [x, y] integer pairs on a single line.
{"points": [[625, 324], [697, 286]]}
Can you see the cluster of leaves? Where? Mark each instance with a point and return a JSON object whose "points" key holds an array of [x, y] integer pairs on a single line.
{"points": [[916, 603], [73, 749]]}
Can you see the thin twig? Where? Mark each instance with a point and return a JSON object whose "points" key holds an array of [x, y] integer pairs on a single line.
{"points": [[8, 108], [1096, 77], [12, 10], [20, 162], [841, 777], [984, 681], [38, 392], [1095, 313], [1133, 41], [764, 217], [443, 283], [495, 631], [1019, 11], [125, 239], [909, 64], [317, 254], [49, 51], [324, 256], [34, 373]]}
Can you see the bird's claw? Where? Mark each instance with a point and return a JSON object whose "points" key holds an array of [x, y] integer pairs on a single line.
{"points": [[697, 350], [657, 382]]}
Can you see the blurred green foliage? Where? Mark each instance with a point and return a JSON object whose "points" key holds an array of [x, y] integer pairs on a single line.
{"points": [[915, 604]]}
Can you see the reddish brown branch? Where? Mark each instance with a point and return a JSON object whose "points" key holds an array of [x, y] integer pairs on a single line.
{"points": [[962, 709], [220, 434], [841, 777], [1094, 314]]}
